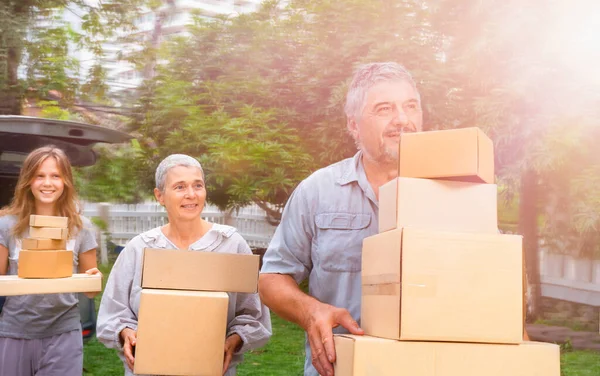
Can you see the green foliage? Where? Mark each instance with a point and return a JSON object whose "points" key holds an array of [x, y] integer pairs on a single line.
{"points": [[258, 98], [488, 64], [509, 77], [51, 110], [114, 177]]}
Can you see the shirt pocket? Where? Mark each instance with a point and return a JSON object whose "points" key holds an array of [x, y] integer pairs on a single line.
{"points": [[339, 240]]}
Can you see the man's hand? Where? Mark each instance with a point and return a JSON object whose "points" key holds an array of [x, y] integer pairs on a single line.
{"points": [[128, 339], [321, 319], [92, 271], [232, 344]]}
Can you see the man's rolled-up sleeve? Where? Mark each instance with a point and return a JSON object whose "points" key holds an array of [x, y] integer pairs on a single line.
{"points": [[289, 251]]}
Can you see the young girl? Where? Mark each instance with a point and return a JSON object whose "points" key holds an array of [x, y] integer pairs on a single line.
{"points": [[41, 334]]}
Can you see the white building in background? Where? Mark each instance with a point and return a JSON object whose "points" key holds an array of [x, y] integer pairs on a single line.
{"points": [[122, 76], [175, 15]]}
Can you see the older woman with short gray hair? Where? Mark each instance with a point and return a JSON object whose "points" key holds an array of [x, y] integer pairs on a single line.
{"points": [[180, 187]]}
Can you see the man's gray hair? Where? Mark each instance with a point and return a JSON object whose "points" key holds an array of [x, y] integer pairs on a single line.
{"points": [[171, 161], [367, 76]]}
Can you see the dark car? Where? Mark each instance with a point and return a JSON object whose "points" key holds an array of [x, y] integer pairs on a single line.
{"points": [[21, 134]]}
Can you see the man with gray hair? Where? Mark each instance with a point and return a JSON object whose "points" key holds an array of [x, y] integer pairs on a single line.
{"points": [[331, 212]]}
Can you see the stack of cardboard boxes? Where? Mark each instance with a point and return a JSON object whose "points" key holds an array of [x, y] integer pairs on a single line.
{"points": [[44, 254], [442, 290], [45, 266], [182, 318]]}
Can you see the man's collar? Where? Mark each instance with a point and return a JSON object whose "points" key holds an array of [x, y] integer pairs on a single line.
{"points": [[351, 170]]}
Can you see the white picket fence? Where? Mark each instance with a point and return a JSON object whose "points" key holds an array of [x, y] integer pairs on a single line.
{"points": [[570, 278], [127, 221], [563, 277]]}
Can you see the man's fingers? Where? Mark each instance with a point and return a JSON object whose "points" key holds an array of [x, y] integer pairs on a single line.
{"points": [[327, 341], [324, 355], [344, 319], [317, 351]]}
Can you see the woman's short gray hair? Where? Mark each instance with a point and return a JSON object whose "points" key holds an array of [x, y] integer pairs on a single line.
{"points": [[368, 75], [171, 161]]}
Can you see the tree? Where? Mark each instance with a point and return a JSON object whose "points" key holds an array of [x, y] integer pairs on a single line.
{"points": [[509, 77], [259, 96]]}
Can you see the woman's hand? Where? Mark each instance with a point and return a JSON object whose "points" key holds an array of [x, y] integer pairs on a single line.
{"points": [[128, 338], [232, 344], [93, 271]]}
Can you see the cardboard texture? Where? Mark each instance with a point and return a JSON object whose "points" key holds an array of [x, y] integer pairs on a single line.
{"points": [[48, 221], [47, 264], [181, 332], [443, 286], [43, 244], [48, 233], [369, 356], [13, 285], [459, 154], [438, 205], [201, 271]]}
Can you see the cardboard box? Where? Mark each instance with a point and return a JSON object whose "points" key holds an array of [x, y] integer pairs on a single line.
{"points": [[368, 356], [459, 154], [31, 244], [13, 285], [201, 271], [48, 221], [181, 332], [48, 233], [442, 286], [47, 264], [438, 205]]}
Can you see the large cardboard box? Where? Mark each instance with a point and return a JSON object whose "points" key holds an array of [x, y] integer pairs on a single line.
{"points": [[369, 356], [46, 264], [442, 286], [43, 244], [48, 232], [13, 285], [459, 154], [438, 205], [48, 221], [201, 271], [181, 332]]}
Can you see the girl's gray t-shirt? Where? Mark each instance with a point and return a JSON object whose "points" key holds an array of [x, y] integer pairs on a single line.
{"points": [[43, 315]]}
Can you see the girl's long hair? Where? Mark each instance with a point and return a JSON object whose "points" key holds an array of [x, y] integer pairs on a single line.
{"points": [[23, 202]]}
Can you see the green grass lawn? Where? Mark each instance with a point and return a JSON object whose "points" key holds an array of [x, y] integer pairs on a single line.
{"points": [[580, 363], [284, 355]]}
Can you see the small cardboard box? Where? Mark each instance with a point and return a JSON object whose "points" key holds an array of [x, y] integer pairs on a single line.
{"points": [[200, 271], [48, 221], [443, 286], [459, 154], [438, 205], [181, 332], [13, 285], [48, 233], [369, 356], [47, 264], [31, 244]]}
